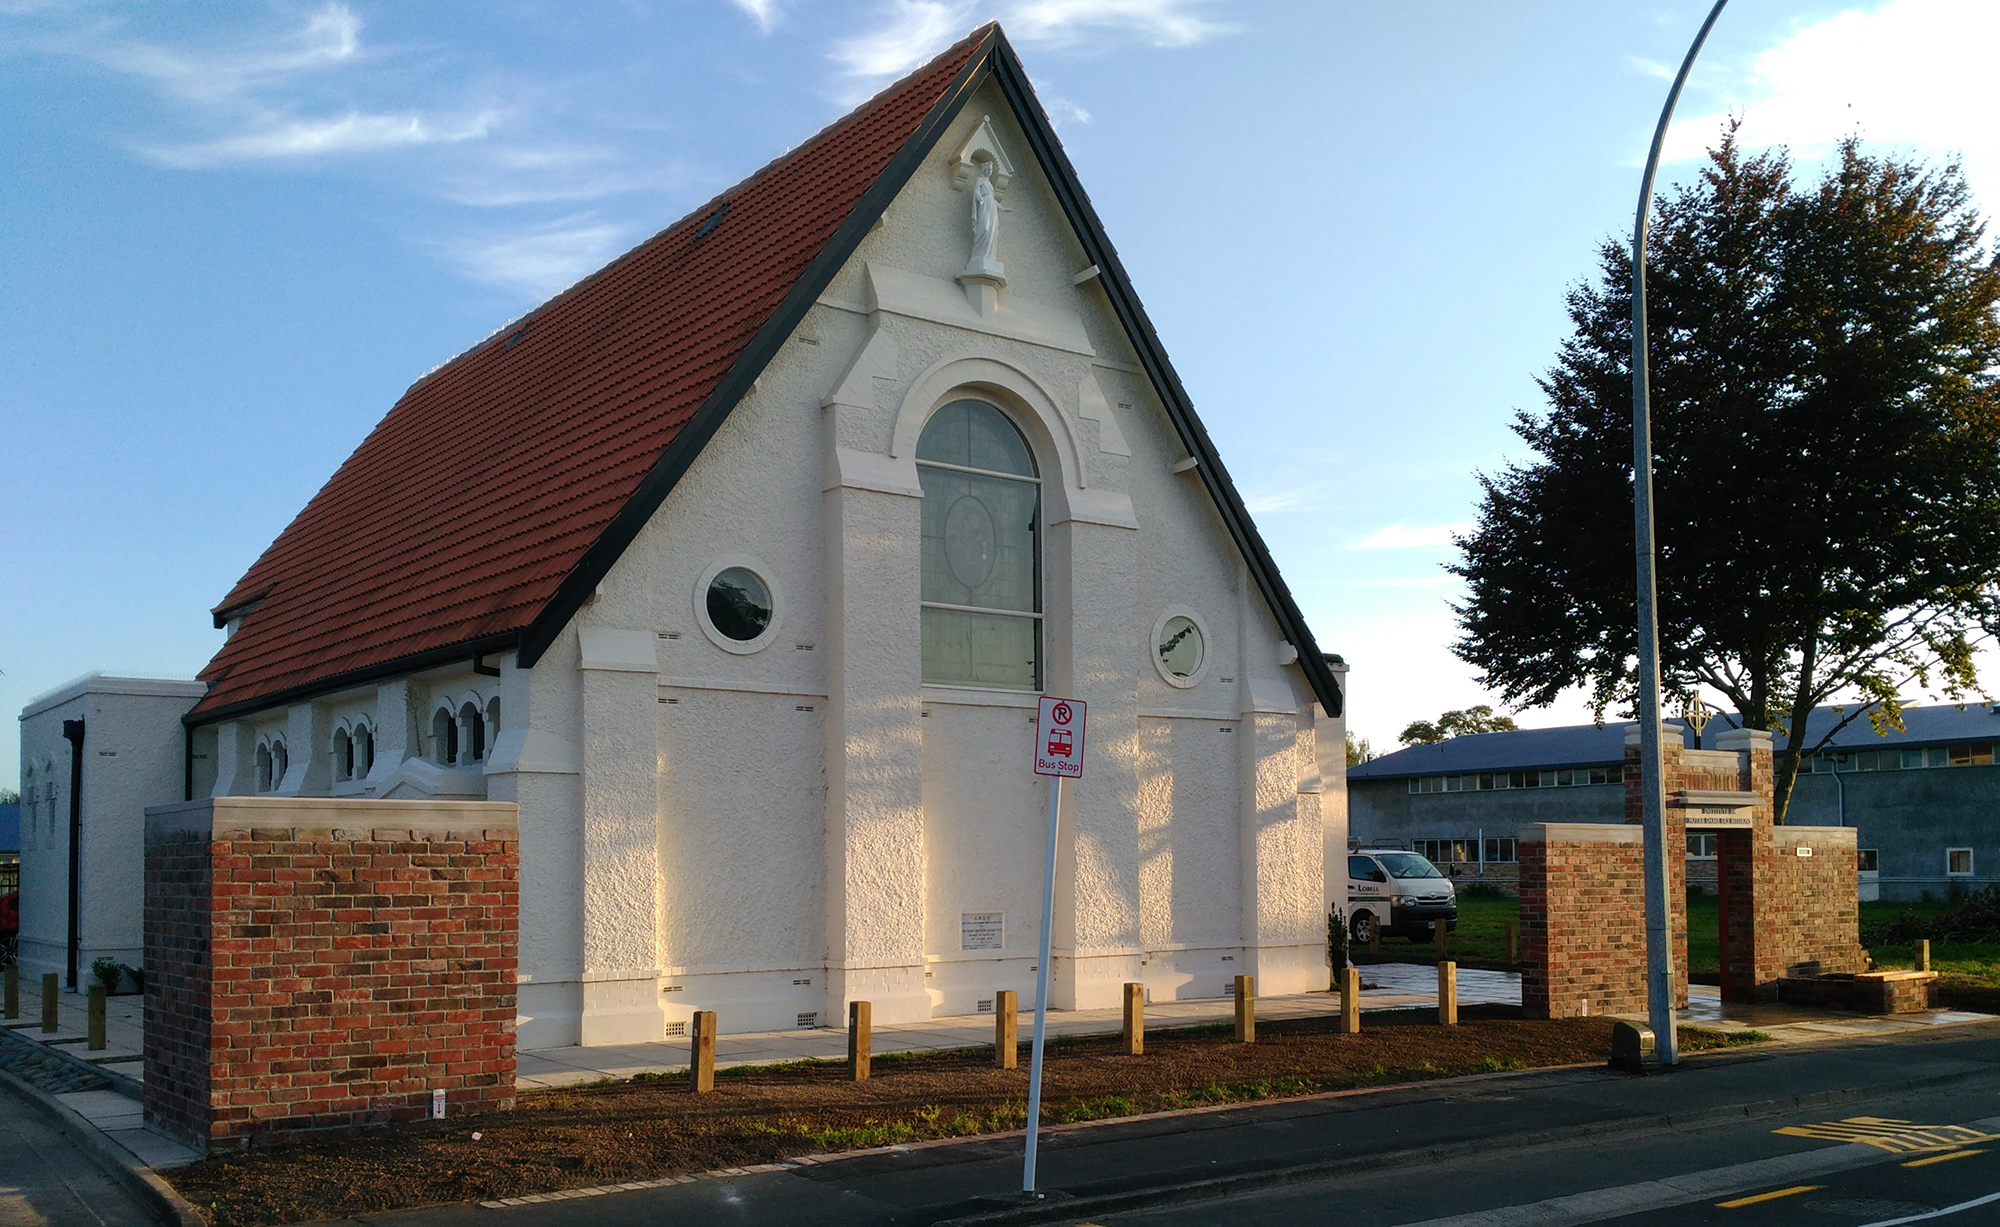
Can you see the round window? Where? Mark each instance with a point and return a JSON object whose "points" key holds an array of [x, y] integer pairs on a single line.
{"points": [[1180, 647], [739, 604]]}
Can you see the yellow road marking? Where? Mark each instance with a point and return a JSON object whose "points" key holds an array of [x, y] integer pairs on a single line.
{"points": [[1771, 1196], [1895, 1136], [1946, 1157]]}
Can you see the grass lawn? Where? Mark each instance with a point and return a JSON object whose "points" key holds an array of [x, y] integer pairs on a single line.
{"points": [[1969, 971]]}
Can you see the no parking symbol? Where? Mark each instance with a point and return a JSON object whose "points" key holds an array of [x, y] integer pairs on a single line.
{"points": [[1059, 738]]}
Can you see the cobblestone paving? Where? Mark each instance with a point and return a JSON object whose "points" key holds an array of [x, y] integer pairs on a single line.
{"points": [[32, 1063]]}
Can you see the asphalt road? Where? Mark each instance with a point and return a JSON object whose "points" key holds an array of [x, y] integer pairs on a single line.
{"points": [[47, 1179], [1561, 1147]]}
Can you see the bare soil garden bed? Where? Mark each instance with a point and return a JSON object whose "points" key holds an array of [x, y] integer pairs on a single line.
{"points": [[651, 1126]]}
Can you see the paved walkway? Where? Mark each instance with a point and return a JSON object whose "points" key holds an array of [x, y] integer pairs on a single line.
{"points": [[1385, 986], [112, 1106]]}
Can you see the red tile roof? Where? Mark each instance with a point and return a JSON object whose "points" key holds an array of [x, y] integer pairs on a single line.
{"points": [[454, 524]]}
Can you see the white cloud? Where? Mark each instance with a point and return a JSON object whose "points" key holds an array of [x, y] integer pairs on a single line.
{"points": [[1405, 536], [908, 32], [539, 262], [1294, 498], [1163, 23], [350, 133], [330, 37], [1912, 73], [763, 12]]}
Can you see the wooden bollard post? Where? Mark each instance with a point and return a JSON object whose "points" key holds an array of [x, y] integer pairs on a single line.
{"points": [[701, 1060], [1921, 954], [860, 1039], [1350, 1000], [1375, 937], [97, 1000], [1006, 1043], [12, 990], [49, 990], [1513, 928], [1246, 1009], [1441, 937], [1447, 994], [1135, 1019]]}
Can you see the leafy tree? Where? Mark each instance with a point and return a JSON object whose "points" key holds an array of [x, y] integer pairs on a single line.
{"points": [[1478, 719], [1826, 428], [9, 797], [1358, 752]]}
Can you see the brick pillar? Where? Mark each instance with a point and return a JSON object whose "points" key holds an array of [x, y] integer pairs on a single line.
{"points": [[318, 964], [1583, 919]]}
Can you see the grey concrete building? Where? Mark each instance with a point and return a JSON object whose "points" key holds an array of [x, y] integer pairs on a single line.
{"points": [[1924, 801]]}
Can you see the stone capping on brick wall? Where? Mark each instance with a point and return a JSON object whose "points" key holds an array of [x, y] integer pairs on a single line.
{"points": [[1580, 833], [348, 817], [1819, 837]]}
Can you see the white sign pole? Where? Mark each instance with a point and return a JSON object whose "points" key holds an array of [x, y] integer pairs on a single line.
{"points": [[1058, 754], [1042, 990]]}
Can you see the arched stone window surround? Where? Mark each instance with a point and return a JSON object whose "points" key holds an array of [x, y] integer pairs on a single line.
{"points": [[459, 731], [353, 746], [273, 760], [1024, 399], [472, 731]]}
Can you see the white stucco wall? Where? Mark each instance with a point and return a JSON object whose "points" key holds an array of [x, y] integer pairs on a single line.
{"points": [[773, 833], [133, 756]]}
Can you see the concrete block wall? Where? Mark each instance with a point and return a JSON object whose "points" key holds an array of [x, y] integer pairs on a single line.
{"points": [[319, 964]]}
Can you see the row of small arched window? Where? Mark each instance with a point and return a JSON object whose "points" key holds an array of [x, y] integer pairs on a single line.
{"points": [[456, 738]]}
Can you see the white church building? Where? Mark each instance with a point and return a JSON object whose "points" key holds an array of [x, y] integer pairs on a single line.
{"points": [[740, 567]]}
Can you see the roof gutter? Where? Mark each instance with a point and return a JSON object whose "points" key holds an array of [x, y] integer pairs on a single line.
{"points": [[455, 653]]}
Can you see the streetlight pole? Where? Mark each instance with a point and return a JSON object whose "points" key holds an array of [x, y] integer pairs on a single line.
{"points": [[1659, 935]]}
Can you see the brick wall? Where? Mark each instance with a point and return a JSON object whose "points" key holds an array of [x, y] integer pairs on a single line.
{"points": [[1583, 921], [1811, 913], [317, 964]]}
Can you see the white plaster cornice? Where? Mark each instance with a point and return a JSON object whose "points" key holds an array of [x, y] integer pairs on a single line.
{"points": [[916, 296], [618, 651]]}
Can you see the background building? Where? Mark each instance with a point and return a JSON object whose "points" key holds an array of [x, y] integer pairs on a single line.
{"points": [[1925, 801], [128, 751]]}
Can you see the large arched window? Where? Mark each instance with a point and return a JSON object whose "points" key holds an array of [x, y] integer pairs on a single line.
{"points": [[982, 593]]}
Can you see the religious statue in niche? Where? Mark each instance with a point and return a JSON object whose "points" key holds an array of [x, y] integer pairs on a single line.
{"points": [[986, 211]]}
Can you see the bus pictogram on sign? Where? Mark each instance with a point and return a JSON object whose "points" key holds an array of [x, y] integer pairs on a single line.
{"points": [[1059, 738]]}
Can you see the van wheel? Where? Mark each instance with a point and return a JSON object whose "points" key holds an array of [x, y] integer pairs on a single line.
{"points": [[1362, 927]]}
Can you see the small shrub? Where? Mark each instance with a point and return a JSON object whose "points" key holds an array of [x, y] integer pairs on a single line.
{"points": [[109, 972]]}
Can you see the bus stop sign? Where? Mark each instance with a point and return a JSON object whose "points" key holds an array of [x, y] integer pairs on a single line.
{"points": [[1059, 738]]}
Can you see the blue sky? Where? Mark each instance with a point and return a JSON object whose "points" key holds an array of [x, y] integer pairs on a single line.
{"points": [[232, 234]]}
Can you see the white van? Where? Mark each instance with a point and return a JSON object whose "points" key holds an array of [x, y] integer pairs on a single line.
{"points": [[1399, 893]]}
